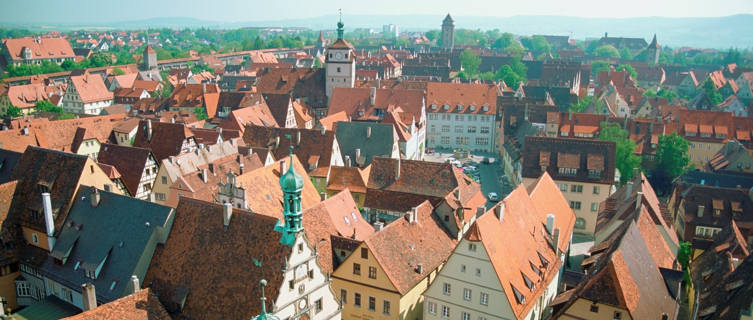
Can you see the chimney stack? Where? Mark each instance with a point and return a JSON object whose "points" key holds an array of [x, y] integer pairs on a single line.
{"points": [[298, 138], [550, 223], [135, 283], [322, 196], [204, 175], [89, 295], [378, 226], [638, 200], [420, 268], [412, 215], [397, 170], [227, 213], [372, 96], [49, 221], [700, 210], [282, 167], [149, 129], [480, 211], [324, 130], [368, 132], [499, 211], [629, 190], [358, 154], [241, 167], [347, 161], [556, 240], [95, 196]]}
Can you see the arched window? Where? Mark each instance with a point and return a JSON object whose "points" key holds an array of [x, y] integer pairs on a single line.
{"points": [[580, 223]]}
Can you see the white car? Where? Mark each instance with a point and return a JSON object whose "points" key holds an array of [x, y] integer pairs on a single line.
{"points": [[493, 196]]}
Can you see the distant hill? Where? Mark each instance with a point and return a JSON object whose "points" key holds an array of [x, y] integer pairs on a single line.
{"points": [[711, 32]]}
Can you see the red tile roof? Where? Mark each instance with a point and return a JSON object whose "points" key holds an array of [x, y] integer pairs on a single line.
{"points": [[130, 162], [138, 306], [91, 88], [41, 48], [193, 95], [462, 98], [26, 96]]}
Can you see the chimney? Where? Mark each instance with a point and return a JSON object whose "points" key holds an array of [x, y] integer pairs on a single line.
{"points": [[241, 167], [324, 130], [358, 154], [457, 193], [419, 268], [499, 211], [549, 223], [378, 83], [171, 159], [204, 175], [556, 240], [570, 115], [203, 88], [638, 200], [700, 210], [89, 295], [397, 170], [227, 213], [412, 215], [172, 119], [347, 161], [135, 283], [282, 167], [368, 132], [322, 196], [629, 190], [298, 138], [95, 196], [480, 211], [372, 96], [378, 226], [49, 222], [149, 129]]}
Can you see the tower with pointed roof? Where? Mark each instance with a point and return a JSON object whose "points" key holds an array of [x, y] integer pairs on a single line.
{"points": [[652, 52], [319, 48], [448, 33], [292, 185], [149, 58], [341, 63]]}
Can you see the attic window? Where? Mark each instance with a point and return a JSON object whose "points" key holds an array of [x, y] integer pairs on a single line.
{"points": [[535, 269], [355, 218], [78, 263], [473, 108], [460, 107], [531, 286], [519, 297], [485, 108], [346, 220], [113, 284], [433, 107], [544, 261], [446, 107]]}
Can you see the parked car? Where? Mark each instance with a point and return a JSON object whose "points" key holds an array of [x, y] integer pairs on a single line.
{"points": [[493, 196]]}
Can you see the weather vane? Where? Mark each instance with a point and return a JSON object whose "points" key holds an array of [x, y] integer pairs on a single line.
{"points": [[340, 11]]}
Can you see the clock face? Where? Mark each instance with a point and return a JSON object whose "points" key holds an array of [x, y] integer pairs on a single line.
{"points": [[339, 55], [301, 303]]}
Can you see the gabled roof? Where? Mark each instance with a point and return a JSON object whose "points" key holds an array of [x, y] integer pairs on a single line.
{"points": [[116, 233], [462, 98], [192, 95], [203, 264], [130, 162], [91, 88], [137, 306], [26, 96], [278, 104], [347, 178], [416, 177], [569, 153], [336, 216], [298, 82], [402, 245], [371, 139], [166, 138], [330, 121], [8, 160], [257, 115], [316, 146], [41, 48], [518, 242], [355, 102]]}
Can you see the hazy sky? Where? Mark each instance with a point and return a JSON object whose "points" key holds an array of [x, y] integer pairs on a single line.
{"points": [[82, 11]]}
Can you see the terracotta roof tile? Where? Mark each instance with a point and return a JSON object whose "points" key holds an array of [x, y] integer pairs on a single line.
{"points": [[166, 139], [312, 143], [26, 96], [91, 88], [41, 48], [129, 161], [462, 98], [193, 95], [355, 102], [140, 305], [569, 154]]}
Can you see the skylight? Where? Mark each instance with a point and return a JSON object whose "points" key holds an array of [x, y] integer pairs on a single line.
{"points": [[346, 220]]}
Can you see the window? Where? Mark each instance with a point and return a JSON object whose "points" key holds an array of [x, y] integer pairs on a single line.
{"points": [[372, 272], [484, 130], [372, 304], [596, 189], [568, 171], [617, 315], [444, 140], [580, 223], [34, 238], [466, 294], [357, 269], [594, 308], [108, 188], [159, 196], [594, 174], [445, 312], [575, 205], [432, 308], [343, 296], [462, 268], [164, 180], [386, 307], [338, 69], [578, 188], [445, 128], [484, 299], [594, 206], [67, 294], [364, 253], [478, 272], [482, 141], [472, 247], [458, 129], [447, 288], [563, 187], [465, 316], [23, 289], [471, 129], [318, 305], [357, 300]]}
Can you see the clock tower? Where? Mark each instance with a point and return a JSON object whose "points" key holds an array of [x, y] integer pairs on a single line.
{"points": [[341, 63]]}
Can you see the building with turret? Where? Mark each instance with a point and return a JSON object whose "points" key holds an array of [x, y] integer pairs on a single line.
{"points": [[652, 52], [149, 57], [341, 63], [448, 33]]}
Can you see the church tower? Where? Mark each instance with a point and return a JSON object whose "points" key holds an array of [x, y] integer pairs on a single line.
{"points": [[448, 33], [149, 58], [292, 185], [341, 63], [652, 52]]}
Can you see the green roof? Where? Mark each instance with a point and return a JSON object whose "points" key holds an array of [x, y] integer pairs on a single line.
{"points": [[355, 135], [49, 308]]}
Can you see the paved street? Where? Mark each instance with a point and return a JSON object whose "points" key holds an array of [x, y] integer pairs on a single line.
{"points": [[490, 175]]}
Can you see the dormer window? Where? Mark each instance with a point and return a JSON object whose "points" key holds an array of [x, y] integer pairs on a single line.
{"points": [[473, 108], [446, 107], [433, 107], [485, 108], [460, 107]]}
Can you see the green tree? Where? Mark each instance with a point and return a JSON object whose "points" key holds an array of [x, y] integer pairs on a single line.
{"points": [[117, 71], [672, 161], [536, 44], [625, 54], [515, 49], [100, 60], [584, 103], [608, 51], [629, 69], [626, 160], [598, 66], [432, 35], [714, 96], [509, 76], [670, 95], [200, 113], [470, 62], [46, 106], [13, 112], [504, 41], [684, 251]]}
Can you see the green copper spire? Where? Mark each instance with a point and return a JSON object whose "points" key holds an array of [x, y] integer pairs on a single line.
{"points": [[340, 26], [292, 185], [264, 315]]}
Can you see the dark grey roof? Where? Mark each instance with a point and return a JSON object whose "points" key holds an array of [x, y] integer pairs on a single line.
{"points": [[717, 179], [8, 161], [120, 232], [353, 135]]}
